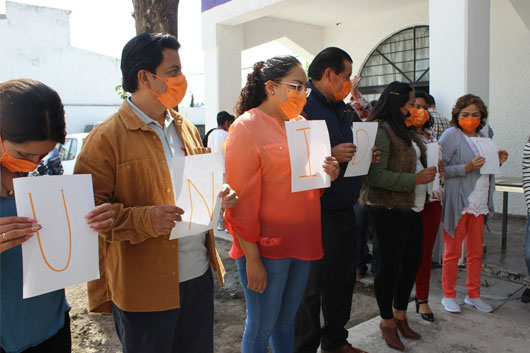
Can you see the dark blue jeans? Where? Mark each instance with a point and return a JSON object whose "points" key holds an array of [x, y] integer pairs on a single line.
{"points": [[270, 315], [185, 330]]}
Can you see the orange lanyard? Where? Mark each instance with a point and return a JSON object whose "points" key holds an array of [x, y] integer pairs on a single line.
{"points": [[69, 236]]}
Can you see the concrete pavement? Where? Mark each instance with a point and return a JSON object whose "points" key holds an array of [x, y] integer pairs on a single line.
{"points": [[506, 329]]}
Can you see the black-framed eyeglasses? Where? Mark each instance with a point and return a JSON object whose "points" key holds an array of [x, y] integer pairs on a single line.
{"points": [[298, 87]]}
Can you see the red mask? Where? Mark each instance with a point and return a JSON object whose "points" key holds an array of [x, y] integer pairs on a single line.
{"points": [[294, 105], [469, 124], [418, 117], [346, 88], [176, 90], [15, 164]]}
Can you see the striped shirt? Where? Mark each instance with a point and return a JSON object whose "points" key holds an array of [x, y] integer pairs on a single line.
{"points": [[526, 174], [440, 124]]}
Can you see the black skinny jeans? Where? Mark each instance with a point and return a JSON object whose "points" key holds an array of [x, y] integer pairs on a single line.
{"points": [[399, 234]]}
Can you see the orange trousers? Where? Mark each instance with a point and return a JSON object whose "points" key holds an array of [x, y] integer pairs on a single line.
{"points": [[471, 230]]}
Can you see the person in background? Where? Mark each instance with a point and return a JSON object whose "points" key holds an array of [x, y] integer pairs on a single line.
{"points": [[426, 101], [431, 213], [215, 142], [525, 298], [332, 279], [32, 118], [276, 232], [217, 137], [361, 106], [467, 200], [394, 194], [160, 291]]}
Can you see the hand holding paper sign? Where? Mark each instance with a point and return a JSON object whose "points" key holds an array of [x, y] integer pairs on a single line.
{"points": [[488, 150], [344, 152], [475, 163], [228, 197], [425, 176], [65, 251], [503, 156], [331, 168], [101, 219], [16, 230], [164, 218]]}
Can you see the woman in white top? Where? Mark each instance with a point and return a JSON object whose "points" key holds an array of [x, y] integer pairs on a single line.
{"points": [[467, 200]]}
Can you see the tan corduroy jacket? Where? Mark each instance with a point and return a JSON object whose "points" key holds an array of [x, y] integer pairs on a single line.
{"points": [[139, 270]]}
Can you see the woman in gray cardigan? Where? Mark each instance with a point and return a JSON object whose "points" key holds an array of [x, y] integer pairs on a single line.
{"points": [[467, 200]]}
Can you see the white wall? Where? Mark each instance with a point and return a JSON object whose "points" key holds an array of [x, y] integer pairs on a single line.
{"points": [[35, 43], [364, 32], [195, 114], [509, 104]]}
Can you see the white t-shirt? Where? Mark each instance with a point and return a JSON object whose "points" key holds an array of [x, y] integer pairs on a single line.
{"points": [[216, 140], [420, 191]]}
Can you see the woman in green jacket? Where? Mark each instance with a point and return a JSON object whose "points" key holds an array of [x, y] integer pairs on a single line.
{"points": [[394, 191]]}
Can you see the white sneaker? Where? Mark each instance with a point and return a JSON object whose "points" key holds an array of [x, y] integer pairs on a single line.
{"points": [[479, 304], [451, 305]]}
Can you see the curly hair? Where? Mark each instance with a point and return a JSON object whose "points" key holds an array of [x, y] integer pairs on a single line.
{"points": [[274, 69], [465, 101]]}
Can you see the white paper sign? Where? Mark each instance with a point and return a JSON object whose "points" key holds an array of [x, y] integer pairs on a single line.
{"points": [[488, 150], [197, 183], [65, 251], [433, 156], [364, 138], [309, 146]]}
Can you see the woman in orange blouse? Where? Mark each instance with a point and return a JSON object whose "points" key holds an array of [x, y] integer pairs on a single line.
{"points": [[276, 232]]}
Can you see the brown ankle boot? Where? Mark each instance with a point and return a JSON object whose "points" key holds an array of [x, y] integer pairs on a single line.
{"points": [[406, 331], [391, 337]]}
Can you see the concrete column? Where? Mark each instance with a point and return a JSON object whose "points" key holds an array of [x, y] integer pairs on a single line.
{"points": [[459, 33], [222, 72]]}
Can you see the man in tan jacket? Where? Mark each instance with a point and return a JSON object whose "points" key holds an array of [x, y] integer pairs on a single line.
{"points": [[160, 291]]}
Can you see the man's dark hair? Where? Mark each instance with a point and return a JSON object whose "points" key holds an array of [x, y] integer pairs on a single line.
{"points": [[432, 100], [144, 52], [223, 117], [424, 95], [30, 111], [331, 57]]}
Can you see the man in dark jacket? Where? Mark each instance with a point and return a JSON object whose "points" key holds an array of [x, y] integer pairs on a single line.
{"points": [[332, 279]]}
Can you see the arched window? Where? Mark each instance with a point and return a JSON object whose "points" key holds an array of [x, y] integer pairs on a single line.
{"points": [[402, 57]]}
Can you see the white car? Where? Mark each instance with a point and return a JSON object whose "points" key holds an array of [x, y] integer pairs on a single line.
{"points": [[69, 150]]}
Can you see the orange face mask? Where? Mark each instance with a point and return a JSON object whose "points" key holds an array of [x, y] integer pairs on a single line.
{"points": [[294, 105], [469, 124], [176, 90], [418, 117], [15, 165], [346, 88]]}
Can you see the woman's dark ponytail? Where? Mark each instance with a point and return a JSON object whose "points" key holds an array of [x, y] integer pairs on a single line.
{"points": [[254, 91], [274, 69]]}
